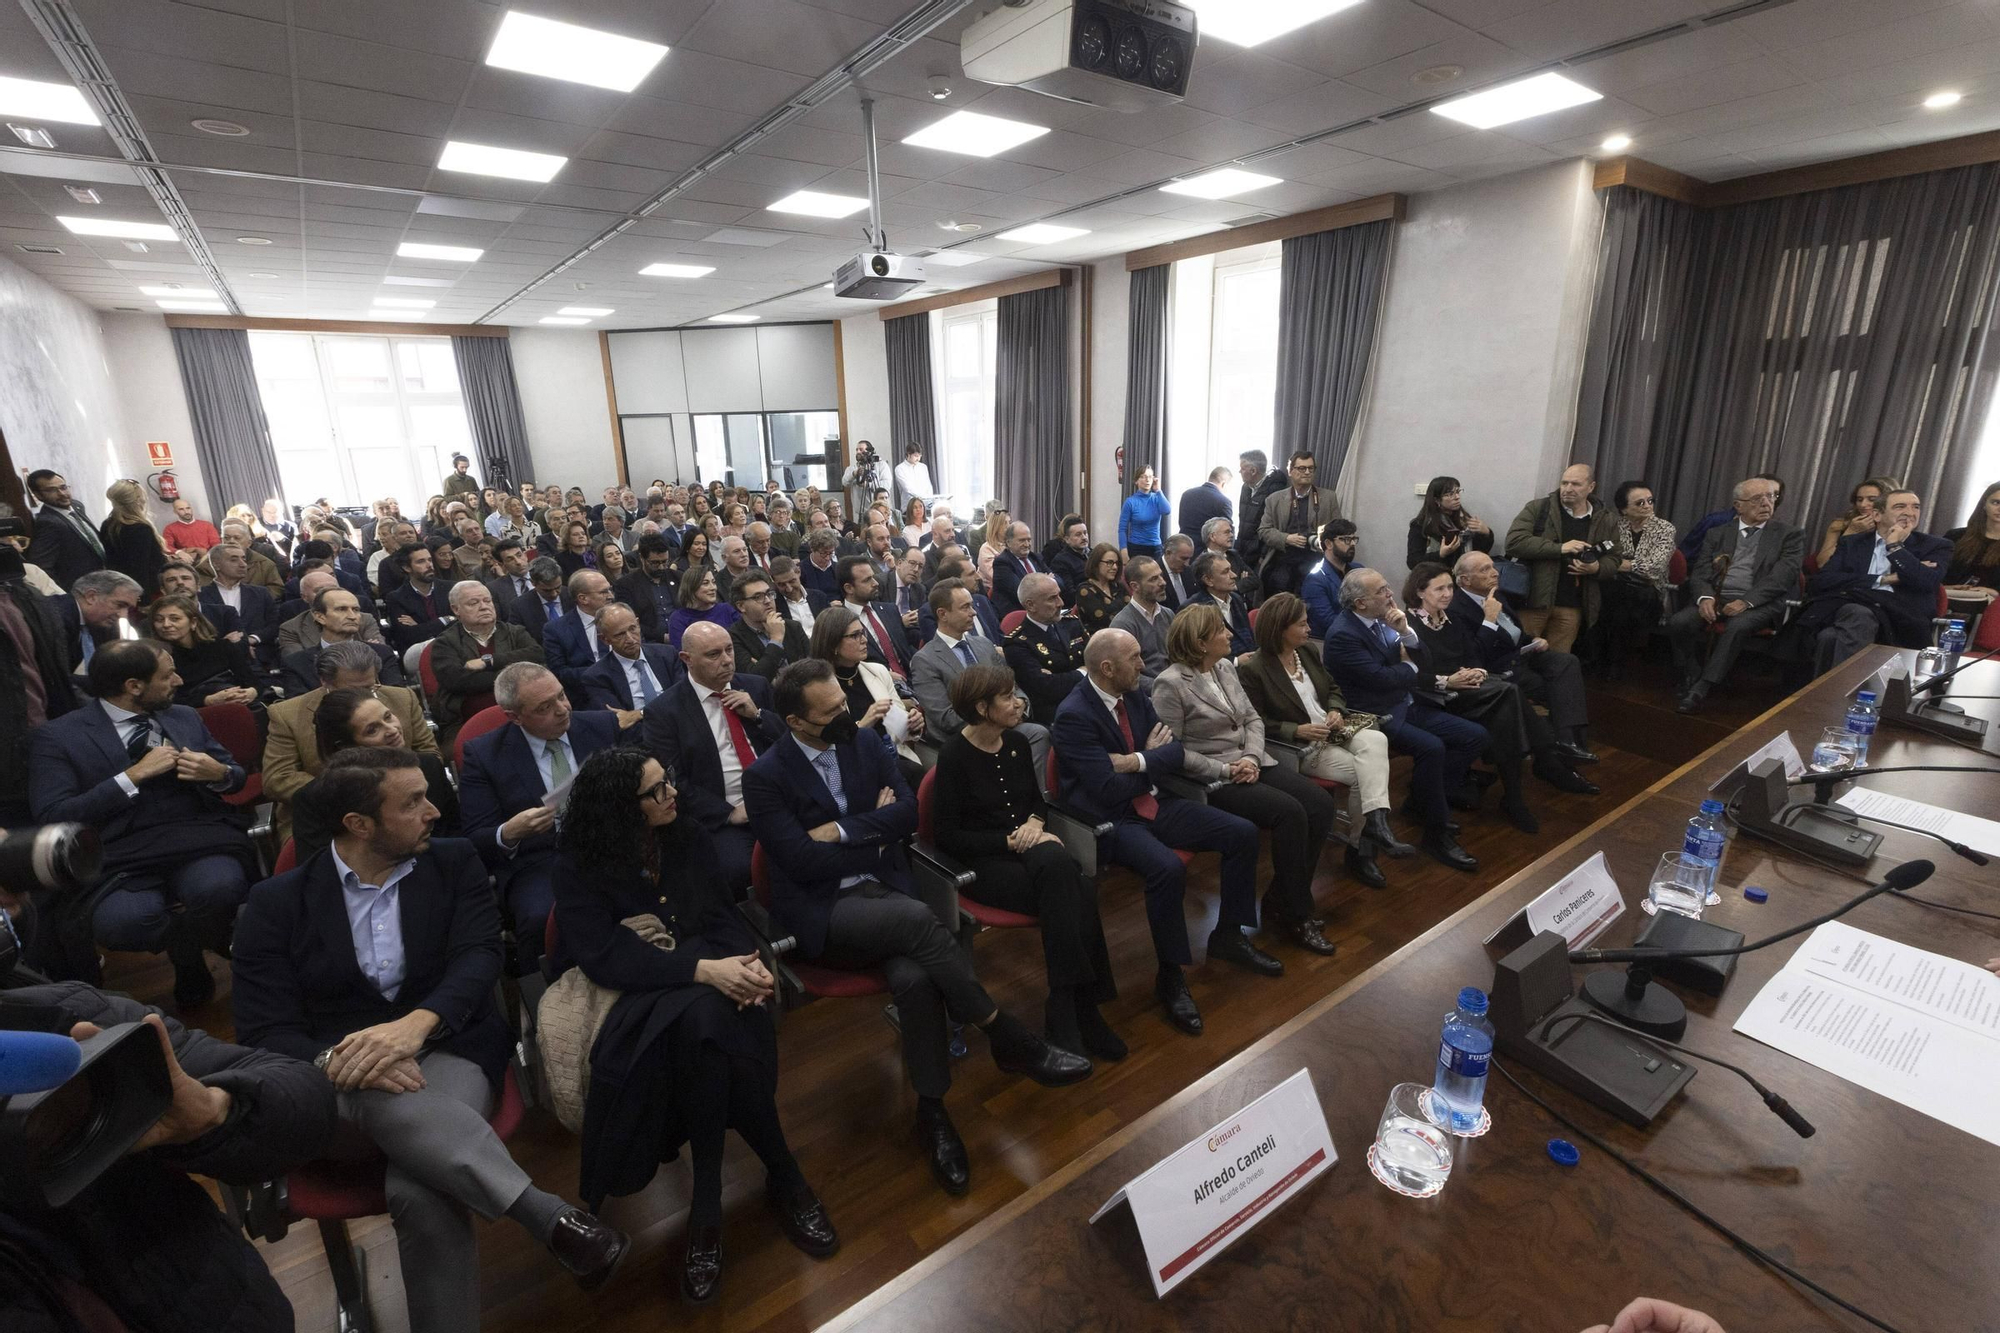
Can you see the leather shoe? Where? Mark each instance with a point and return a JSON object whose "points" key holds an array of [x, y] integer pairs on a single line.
{"points": [[1571, 753], [1099, 1041], [1465, 798], [587, 1247], [701, 1266], [1175, 997], [1362, 866], [1231, 945], [1519, 815], [1309, 936], [939, 1138], [1411, 811], [1444, 848], [802, 1217], [1563, 779], [1050, 1066], [1375, 828], [1690, 703]]}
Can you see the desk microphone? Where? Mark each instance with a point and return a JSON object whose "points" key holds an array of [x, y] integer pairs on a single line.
{"points": [[1904, 703], [1824, 783], [1942, 677]]}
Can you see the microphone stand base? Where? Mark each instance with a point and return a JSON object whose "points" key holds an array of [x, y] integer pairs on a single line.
{"points": [[1653, 1010], [1935, 716]]}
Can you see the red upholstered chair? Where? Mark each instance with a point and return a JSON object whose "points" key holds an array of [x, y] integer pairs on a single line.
{"points": [[1253, 618], [425, 673], [1090, 865], [995, 918], [288, 858], [816, 981], [1012, 621], [479, 724], [1987, 635], [235, 726], [1677, 568]]}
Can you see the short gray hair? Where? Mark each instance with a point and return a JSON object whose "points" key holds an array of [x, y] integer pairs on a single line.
{"points": [[354, 655], [612, 511], [1034, 585], [1220, 475], [1208, 528], [467, 586], [104, 583], [507, 685], [1175, 541], [822, 540], [544, 569], [1352, 589]]}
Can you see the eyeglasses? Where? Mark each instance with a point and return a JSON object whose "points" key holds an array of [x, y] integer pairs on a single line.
{"points": [[658, 791], [763, 596], [856, 633], [1638, 503]]}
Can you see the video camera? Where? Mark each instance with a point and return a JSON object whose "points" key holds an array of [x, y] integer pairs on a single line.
{"points": [[69, 1110]]}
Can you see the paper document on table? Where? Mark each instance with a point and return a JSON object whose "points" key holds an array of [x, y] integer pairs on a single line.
{"points": [[1918, 1028], [1979, 834]]}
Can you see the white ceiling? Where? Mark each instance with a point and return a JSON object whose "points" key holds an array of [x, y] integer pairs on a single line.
{"points": [[363, 93]]}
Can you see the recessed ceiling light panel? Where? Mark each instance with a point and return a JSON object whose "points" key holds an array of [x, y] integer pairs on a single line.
{"points": [[956, 258], [83, 194], [586, 311], [1519, 100], [562, 319], [193, 307], [1250, 22], [253, 240], [136, 231], [46, 101], [1043, 233], [676, 270], [1224, 183], [173, 293], [1939, 101], [815, 204], [734, 319], [403, 303], [572, 53], [480, 159], [975, 135], [456, 254], [228, 129], [32, 135], [1617, 143]]}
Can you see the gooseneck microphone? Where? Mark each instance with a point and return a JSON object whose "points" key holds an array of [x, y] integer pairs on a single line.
{"points": [[1899, 879], [1939, 679], [1781, 1108]]}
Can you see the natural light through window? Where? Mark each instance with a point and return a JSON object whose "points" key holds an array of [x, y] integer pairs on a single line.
{"points": [[965, 342], [1223, 362]]}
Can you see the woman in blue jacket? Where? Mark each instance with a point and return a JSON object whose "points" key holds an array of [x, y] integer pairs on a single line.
{"points": [[1140, 517]]}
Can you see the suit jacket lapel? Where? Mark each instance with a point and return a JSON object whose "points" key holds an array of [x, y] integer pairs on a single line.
{"points": [[326, 908], [106, 734]]}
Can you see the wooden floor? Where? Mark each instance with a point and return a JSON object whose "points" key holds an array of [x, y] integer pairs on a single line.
{"points": [[847, 1107]]}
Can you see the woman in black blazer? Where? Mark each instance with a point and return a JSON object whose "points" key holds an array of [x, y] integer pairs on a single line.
{"points": [[688, 1051], [1442, 531], [989, 813], [212, 669], [131, 543]]}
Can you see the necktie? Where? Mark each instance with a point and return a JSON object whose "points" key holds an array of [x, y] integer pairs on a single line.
{"points": [[745, 754], [647, 690], [827, 764], [882, 642], [965, 653], [1508, 627], [1028, 564], [1388, 636], [520, 587], [559, 769], [1143, 805], [136, 740], [89, 644], [82, 525]]}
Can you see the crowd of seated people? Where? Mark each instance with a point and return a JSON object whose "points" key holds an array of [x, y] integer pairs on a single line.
{"points": [[742, 699]]}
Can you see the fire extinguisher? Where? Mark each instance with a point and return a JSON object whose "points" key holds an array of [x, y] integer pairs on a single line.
{"points": [[165, 486]]}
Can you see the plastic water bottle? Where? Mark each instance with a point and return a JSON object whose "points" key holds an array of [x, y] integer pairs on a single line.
{"points": [[1862, 715], [1950, 644], [1707, 835], [1464, 1051]]}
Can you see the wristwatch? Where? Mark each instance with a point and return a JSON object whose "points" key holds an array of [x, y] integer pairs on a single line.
{"points": [[320, 1061]]}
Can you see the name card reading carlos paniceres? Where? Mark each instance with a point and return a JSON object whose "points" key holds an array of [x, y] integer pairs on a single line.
{"points": [[1580, 905], [1192, 1205]]}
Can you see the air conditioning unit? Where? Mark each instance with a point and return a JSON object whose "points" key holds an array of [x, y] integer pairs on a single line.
{"points": [[877, 275], [1126, 55]]}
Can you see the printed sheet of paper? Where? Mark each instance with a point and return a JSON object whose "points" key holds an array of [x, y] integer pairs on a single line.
{"points": [[1979, 834], [1918, 1028]]}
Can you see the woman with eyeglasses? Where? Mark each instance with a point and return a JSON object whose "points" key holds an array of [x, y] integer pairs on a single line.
{"points": [[1634, 601], [688, 1051], [1443, 530], [1101, 595], [356, 719], [876, 700]]}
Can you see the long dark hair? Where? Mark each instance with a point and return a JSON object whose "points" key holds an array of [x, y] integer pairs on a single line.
{"points": [[603, 828], [333, 717], [1434, 519], [1973, 546]]}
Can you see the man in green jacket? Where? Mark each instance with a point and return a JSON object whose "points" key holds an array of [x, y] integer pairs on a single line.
{"points": [[1571, 549]]}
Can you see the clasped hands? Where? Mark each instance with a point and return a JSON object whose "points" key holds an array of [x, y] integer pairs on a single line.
{"points": [[1030, 834], [187, 765], [743, 979], [382, 1058]]}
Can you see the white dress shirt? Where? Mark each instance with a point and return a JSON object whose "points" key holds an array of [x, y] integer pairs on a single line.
{"points": [[725, 746]]}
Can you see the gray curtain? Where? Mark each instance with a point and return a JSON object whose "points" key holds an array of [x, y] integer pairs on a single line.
{"points": [[1034, 455], [1146, 378], [493, 406], [1826, 337], [1329, 302], [912, 395], [234, 440]]}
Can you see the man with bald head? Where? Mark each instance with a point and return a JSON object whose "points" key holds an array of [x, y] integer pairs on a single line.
{"points": [[1111, 751], [706, 729], [1550, 678], [633, 673], [1570, 546], [1046, 648]]}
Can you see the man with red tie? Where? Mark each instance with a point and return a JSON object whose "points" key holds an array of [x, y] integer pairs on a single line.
{"points": [[1012, 565], [887, 643], [1112, 752], [705, 730]]}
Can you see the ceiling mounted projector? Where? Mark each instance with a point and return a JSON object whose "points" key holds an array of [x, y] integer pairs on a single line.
{"points": [[1125, 55], [877, 275]]}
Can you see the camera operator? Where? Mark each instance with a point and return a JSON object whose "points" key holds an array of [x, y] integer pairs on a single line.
{"points": [[862, 477], [143, 1246]]}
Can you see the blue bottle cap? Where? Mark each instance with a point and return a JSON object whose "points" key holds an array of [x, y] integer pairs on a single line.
{"points": [[1472, 1000], [1864, 696], [1562, 1152], [1711, 807], [1755, 894]]}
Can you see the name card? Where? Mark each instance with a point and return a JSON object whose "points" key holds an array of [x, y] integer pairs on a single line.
{"points": [[1780, 748], [1580, 905], [1193, 1205]]}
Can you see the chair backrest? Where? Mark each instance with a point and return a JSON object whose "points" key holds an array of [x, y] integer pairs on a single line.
{"points": [[549, 936], [1253, 618], [1986, 634], [760, 876], [925, 792], [424, 671], [1677, 568], [1944, 601], [479, 724], [1012, 621], [288, 857], [1052, 779], [236, 727]]}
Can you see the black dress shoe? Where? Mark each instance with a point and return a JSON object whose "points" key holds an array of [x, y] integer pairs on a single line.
{"points": [[1178, 1001], [701, 1267], [1465, 798], [194, 984], [1308, 935], [1050, 1066], [1375, 828], [802, 1217], [1519, 815], [1362, 866], [1231, 945], [939, 1139], [1443, 847], [1564, 779], [1099, 1041], [1690, 703], [1572, 753], [1411, 811], [587, 1247]]}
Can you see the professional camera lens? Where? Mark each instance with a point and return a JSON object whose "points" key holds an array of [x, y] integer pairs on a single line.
{"points": [[49, 856]]}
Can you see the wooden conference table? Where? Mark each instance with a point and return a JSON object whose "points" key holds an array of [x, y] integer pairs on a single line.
{"points": [[1888, 1208]]}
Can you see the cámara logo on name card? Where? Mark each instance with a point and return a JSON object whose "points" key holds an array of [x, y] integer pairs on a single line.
{"points": [[1215, 1141]]}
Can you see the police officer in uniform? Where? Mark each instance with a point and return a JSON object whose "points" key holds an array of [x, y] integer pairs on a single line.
{"points": [[1045, 650]]}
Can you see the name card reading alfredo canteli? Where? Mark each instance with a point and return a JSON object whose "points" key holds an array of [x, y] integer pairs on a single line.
{"points": [[1192, 1205]]}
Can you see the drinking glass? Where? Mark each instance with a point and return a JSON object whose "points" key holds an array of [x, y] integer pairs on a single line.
{"points": [[1834, 752], [1678, 885], [1412, 1152]]}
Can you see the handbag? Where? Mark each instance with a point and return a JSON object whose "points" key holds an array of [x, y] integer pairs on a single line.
{"points": [[1515, 579], [571, 1014]]}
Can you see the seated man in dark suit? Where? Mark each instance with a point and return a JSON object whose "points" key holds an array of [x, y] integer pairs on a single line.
{"points": [[144, 772], [1215, 585], [985, 616], [252, 605], [887, 644], [633, 672], [650, 587], [956, 646], [766, 640], [800, 604], [1339, 544], [1045, 650], [90, 613], [911, 597], [376, 961], [1176, 554], [513, 583], [474, 649], [831, 812], [338, 619], [1012, 565], [1740, 579], [1880, 586], [570, 642], [1110, 749], [707, 730], [546, 600], [818, 563], [1367, 652], [418, 606], [504, 787], [1550, 678]]}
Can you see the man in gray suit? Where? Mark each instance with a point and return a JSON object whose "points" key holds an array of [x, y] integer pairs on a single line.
{"points": [[1288, 529], [951, 650], [1746, 570]]}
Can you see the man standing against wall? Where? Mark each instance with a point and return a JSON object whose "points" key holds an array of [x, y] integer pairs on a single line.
{"points": [[1571, 549]]}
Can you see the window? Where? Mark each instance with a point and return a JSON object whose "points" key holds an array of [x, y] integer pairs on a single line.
{"points": [[963, 356], [1222, 349], [746, 448], [357, 418]]}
